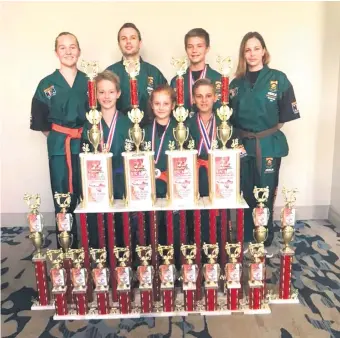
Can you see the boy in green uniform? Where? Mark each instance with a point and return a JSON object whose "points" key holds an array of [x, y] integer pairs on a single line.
{"points": [[197, 45], [150, 77], [58, 110], [263, 100], [115, 128]]}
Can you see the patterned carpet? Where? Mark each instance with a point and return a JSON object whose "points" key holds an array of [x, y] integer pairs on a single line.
{"points": [[316, 275]]}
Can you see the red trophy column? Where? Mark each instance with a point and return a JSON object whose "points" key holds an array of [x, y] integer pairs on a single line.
{"points": [[189, 276], [154, 257], [124, 278], [112, 257], [197, 234], [167, 273], [233, 271], [100, 275], [40, 268], [211, 272], [145, 274]]}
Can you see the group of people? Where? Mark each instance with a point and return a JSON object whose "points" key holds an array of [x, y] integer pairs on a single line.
{"points": [[262, 100]]}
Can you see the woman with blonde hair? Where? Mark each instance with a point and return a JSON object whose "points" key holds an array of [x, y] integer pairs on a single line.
{"points": [[263, 100]]}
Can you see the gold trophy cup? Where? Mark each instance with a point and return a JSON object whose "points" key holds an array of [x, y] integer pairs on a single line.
{"points": [[64, 220], [261, 214]]}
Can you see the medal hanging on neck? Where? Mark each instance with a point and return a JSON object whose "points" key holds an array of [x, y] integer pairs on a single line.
{"points": [[158, 152], [192, 81], [205, 139], [111, 133]]}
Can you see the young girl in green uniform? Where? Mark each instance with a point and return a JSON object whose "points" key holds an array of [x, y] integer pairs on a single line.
{"points": [[58, 110], [263, 100], [114, 126]]}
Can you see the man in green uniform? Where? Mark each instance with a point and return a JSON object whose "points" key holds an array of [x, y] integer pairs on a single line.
{"points": [[58, 110], [149, 77], [262, 101], [197, 45]]}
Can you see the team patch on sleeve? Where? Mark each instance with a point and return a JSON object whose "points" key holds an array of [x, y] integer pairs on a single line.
{"points": [[218, 89], [50, 91], [295, 108], [150, 85]]}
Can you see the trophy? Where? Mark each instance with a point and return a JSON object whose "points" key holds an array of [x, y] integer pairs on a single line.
{"points": [[189, 274], [96, 166], [58, 279], [35, 221], [79, 277], [256, 276], [233, 271], [124, 278], [211, 272], [145, 275], [100, 275], [167, 274], [261, 214]]}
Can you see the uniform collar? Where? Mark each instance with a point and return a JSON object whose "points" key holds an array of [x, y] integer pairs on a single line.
{"points": [[140, 60], [61, 81]]}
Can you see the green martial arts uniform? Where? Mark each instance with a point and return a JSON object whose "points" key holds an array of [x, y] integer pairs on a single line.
{"points": [[260, 101], [208, 73], [148, 79], [60, 109], [118, 132]]}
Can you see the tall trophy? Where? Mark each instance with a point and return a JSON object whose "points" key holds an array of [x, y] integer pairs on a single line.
{"points": [[224, 163], [100, 275], [261, 214], [189, 274], [64, 222], [58, 279], [139, 165], [124, 278], [79, 277], [167, 274], [211, 273], [286, 292], [35, 221], [145, 275], [182, 163], [96, 165], [233, 271]]}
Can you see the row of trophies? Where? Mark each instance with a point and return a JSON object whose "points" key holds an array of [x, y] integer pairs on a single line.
{"points": [[70, 279]]}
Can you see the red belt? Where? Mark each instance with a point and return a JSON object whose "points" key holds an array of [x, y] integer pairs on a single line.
{"points": [[202, 163], [70, 133], [163, 176]]}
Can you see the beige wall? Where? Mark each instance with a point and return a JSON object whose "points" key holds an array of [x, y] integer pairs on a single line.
{"points": [[296, 34]]}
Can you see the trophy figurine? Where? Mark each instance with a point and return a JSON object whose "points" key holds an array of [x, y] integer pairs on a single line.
{"points": [[211, 272], [261, 214], [100, 275], [58, 279], [35, 221], [145, 275], [189, 274], [167, 274], [233, 271], [124, 278]]}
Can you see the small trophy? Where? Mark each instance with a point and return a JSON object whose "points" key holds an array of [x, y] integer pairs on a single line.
{"points": [[261, 214], [211, 272], [167, 273], [58, 279], [79, 274], [100, 275], [64, 220], [145, 275]]}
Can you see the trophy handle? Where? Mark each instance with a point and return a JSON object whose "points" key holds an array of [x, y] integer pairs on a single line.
{"points": [[174, 133], [143, 135], [130, 134], [187, 135]]}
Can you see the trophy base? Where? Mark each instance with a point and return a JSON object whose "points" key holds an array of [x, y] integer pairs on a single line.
{"points": [[274, 298], [37, 307], [265, 310]]}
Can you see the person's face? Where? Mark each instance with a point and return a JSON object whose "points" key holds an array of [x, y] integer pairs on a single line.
{"points": [[67, 51], [129, 42], [196, 49], [253, 53], [204, 97], [107, 94], [162, 106]]}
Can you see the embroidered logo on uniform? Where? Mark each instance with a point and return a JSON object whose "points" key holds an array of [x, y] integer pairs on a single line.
{"points": [[50, 91], [273, 86], [295, 108], [233, 92], [218, 89], [150, 85], [269, 165], [272, 95]]}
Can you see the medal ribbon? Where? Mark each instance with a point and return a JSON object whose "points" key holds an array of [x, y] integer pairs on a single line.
{"points": [[111, 133], [191, 82], [205, 132], [162, 139]]}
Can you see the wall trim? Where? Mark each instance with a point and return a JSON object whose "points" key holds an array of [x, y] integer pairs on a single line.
{"points": [[302, 213], [334, 216]]}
